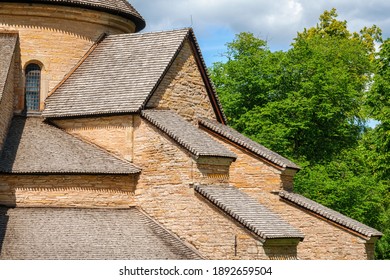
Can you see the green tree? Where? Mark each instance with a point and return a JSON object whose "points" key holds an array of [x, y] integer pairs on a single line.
{"points": [[304, 103], [311, 104], [248, 77], [378, 102]]}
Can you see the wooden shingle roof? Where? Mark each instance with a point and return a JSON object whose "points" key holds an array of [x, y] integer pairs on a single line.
{"points": [[197, 142], [122, 74], [33, 147], [249, 212], [86, 234], [329, 214], [244, 142], [118, 76], [117, 7]]}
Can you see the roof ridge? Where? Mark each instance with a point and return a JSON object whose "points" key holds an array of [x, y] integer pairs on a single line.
{"points": [[209, 83], [329, 214], [166, 70], [242, 141], [250, 213], [85, 56], [141, 34], [182, 131]]}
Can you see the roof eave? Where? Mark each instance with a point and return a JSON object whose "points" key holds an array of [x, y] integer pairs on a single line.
{"points": [[41, 173], [89, 114], [276, 164], [360, 233], [139, 22], [216, 103]]}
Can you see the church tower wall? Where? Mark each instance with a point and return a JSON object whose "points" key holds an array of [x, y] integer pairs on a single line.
{"points": [[56, 37]]}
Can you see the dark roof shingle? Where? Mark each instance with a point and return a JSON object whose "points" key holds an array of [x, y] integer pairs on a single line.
{"points": [[86, 234], [329, 214], [7, 47], [187, 135], [118, 76], [117, 7], [239, 139], [33, 147], [249, 212]]}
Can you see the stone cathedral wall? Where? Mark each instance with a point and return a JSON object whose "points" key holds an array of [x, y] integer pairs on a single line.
{"points": [[56, 37]]}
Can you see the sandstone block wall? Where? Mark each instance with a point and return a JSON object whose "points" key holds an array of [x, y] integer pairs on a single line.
{"points": [[323, 240], [183, 89], [164, 192], [114, 134], [67, 191], [56, 37]]}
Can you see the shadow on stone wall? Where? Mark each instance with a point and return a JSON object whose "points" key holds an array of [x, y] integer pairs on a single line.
{"points": [[282, 251], [3, 226], [11, 146]]}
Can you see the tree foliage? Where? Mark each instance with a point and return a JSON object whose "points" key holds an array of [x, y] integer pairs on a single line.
{"points": [[305, 102], [378, 102], [311, 104]]}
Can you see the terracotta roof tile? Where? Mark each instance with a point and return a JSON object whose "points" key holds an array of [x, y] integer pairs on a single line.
{"points": [[116, 7], [187, 135], [249, 212], [33, 147], [86, 234], [329, 214], [118, 76], [245, 142]]}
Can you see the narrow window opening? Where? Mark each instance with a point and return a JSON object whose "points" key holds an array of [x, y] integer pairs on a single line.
{"points": [[33, 87]]}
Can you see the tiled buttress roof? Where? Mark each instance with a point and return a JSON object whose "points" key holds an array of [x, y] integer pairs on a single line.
{"points": [[247, 143], [33, 147], [249, 212], [187, 135], [86, 234], [117, 7], [118, 76], [7, 47], [329, 214]]}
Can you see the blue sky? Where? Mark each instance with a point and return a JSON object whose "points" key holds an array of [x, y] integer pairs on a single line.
{"points": [[216, 22]]}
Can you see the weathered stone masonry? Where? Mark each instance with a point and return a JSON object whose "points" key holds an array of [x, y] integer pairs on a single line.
{"points": [[133, 123], [56, 37], [83, 191], [183, 89], [263, 182]]}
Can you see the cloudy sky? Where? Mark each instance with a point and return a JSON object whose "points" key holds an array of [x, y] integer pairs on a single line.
{"points": [[215, 22]]}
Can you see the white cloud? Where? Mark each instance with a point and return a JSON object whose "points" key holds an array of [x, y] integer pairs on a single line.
{"points": [[278, 21]]}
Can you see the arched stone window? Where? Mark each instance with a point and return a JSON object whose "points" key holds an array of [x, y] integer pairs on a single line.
{"points": [[33, 87]]}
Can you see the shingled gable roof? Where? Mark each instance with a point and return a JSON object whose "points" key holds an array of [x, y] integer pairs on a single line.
{"points": [[86, 234], [121, 75], [187, 135], [116, 7], [249, 212], [7, 48], [33, 147], [329, 214], [244, 142]]}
